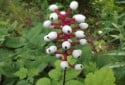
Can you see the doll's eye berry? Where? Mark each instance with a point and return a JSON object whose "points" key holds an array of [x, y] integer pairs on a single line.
{"points": [[66, 35], [78, 56], [49, 50], [65, 47], [51, 18], [68, 31]]}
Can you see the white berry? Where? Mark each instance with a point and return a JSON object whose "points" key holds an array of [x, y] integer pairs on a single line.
{"points": [[67, 29], [79, 18], [83, 41], [59, 55], [79, 34], [51, 50], [46, 38], [83, 25], [63, 12], [52, 35], [70, 40], [53, 7], [47, 24], [66, 45], [76, 53], [74, 5], [64, 64], [53, 16], [48, 51], [78, 66]]}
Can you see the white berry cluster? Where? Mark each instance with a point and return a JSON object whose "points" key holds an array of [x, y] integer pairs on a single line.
{"points": [[66, 33]]}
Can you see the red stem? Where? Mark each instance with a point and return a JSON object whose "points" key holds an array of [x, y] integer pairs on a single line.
{"points": [[68, 11], [75, 43], [56, 25], [70, 65], [58, 12]]}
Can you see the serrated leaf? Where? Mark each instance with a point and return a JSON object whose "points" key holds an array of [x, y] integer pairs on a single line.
{"points": [[57, 65], [14, 42], [90, 67], [55, 74], [104, 76], [33, 72], [74, 82], [43, 81], [71, 60], [86, 54], [54, 82], [22, 73], [23, 82], [72, 73]]}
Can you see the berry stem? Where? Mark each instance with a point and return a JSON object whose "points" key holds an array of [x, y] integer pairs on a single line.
{"points": [[68, 11], [64, 77]]}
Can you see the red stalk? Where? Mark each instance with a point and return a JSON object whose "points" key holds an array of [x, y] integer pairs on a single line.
{"points": [[68, 11]]}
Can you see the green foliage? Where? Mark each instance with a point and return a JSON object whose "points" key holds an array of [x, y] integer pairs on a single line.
{"points": [[23, 60], [44, 81], [74, 82], [104, 76], [22, 73]]}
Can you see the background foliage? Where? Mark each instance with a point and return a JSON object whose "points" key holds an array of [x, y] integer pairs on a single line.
{"points": [[22, 50]]}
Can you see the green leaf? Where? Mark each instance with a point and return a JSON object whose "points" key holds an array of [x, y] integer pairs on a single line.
{"points": [[35, 36], [74, 82], [72, 73], [43, 81], [22, 73], [55, 74], [58, 72], [54, 82], [116, 53], [57, 65], [104, 76], [90, 67], [14, 42], [23, 82], [86, 54], [71, 60], [33, 72]]}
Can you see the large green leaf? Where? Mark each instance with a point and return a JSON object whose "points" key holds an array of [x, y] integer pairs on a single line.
{"points": [[72, 73], [23, 82], [55, 74], [43, 81], [34, 36], [104, 76], [14, 42], [74, 82]]}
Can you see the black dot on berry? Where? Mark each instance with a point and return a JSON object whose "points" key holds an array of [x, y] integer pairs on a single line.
{"points": [[81, 66], [51, 18], [49, 50], [78, 56], [68, 31], [65, 68], [65, 47]]}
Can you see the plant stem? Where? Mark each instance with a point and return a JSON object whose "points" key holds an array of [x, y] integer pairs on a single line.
{"points": [[64, 77]]}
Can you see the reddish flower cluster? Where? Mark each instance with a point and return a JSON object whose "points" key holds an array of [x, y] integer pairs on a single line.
{"points": [[67, 32]]}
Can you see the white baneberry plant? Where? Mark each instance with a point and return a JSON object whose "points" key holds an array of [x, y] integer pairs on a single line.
{"points": [[65, 34]]}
